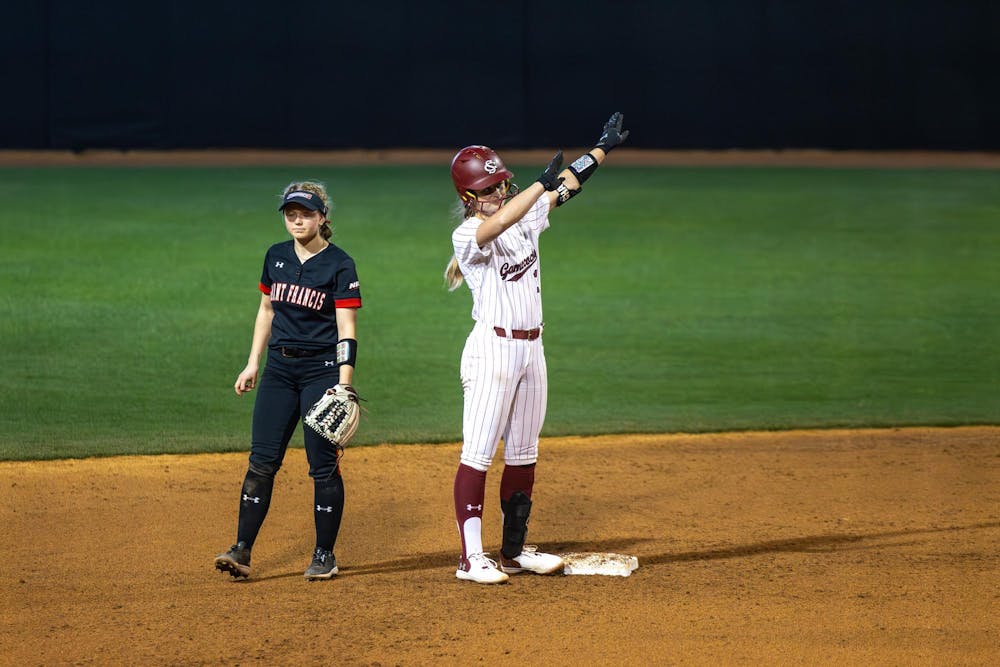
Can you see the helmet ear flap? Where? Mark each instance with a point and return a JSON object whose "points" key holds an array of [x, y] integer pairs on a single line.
{"points": [[469, 200]]}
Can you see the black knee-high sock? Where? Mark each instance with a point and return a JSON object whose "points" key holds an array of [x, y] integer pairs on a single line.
{"points": [[328, 509], [254, 502]]}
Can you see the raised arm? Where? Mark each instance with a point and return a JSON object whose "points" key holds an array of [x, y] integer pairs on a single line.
{"points": [[514, 210], [571, 179]]}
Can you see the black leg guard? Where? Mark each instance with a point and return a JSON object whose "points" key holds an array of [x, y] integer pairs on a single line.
{"points": [[268, 470], [515, 523]]}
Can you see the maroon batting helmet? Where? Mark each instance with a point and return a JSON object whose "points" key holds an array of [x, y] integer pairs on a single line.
{"points": [[477, 168]]}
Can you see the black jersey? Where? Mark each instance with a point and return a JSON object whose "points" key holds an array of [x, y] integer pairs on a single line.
{"points": [[305, 296]]}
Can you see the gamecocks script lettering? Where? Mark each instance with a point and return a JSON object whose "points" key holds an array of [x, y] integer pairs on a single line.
{"points": [[513, 272]]}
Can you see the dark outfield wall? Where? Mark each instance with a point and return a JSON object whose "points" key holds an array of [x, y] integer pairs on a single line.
{"points": [[846, 74]]}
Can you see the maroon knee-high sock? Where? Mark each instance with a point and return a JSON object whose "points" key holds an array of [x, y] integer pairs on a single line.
{"points": [[517, 478], [470, 489]]}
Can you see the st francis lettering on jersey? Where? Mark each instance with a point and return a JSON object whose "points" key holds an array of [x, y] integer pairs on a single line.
{"points": [[302, 296]]}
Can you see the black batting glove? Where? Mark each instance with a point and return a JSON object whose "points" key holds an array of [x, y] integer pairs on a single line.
{"points": [[612, 135], [550, 177]]}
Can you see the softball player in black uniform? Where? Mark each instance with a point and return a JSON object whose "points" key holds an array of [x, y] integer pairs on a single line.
{"points": [[306, 322]]}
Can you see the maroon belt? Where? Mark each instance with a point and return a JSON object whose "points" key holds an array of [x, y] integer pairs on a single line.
{"points": [[520, 334]]}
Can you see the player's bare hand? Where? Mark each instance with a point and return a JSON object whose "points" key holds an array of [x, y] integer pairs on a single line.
{"points": [[246, 381], [612, 135], [550, 177]]}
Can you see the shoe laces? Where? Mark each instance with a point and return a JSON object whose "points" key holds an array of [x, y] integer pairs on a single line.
{"points": [[527, 551], [481, 560], [321, 555]]}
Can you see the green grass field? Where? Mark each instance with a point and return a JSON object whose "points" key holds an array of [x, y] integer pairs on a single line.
{"points": [[675, 300]]}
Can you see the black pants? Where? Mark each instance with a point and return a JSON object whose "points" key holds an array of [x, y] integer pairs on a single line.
{"points": [[288, 388]]}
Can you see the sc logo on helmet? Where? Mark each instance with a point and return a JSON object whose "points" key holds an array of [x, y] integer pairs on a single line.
{"points": [[490, 166]]}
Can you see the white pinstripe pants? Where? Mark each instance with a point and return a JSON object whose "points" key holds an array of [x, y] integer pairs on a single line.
{"points": [[505, 388]]}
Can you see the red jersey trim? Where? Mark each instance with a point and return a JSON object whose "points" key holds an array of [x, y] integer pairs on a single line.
{"points": [[347, 303], [265, 289]]}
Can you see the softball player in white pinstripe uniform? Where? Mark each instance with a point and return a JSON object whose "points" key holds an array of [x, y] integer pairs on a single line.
{"points": [[503, 365]]}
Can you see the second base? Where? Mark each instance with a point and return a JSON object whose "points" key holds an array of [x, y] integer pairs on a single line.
{"points": [[619, 565]]}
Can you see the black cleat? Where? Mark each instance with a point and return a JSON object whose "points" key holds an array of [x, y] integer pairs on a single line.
{"points": [[236, 561], [324, 565]]}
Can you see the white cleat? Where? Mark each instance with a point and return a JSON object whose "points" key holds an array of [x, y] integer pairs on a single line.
{"points": [[531, 560], [480, 569]]}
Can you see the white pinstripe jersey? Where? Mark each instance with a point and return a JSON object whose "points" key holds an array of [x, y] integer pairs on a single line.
{"points": [[505, 276]]}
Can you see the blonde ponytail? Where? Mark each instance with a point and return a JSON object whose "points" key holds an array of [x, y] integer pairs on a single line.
{"points": [[453, 275]]}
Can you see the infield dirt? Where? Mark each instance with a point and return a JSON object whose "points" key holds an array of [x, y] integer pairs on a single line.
{"points": [[821, 547]]}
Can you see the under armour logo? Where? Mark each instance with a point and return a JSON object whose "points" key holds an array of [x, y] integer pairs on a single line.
{"points": [[319, 508], [490, 166], [329, 363], [250, 499], [279, 265], [474, 507]]}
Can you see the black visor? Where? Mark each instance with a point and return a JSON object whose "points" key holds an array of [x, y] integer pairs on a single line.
{"points": [[309, 200]]}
